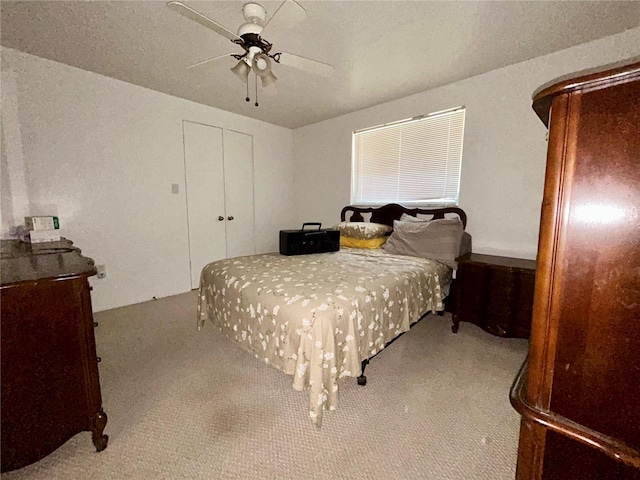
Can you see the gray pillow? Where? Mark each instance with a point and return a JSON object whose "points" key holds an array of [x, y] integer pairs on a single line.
{"points": [[465, 243], [410, 218], [436, 239]]}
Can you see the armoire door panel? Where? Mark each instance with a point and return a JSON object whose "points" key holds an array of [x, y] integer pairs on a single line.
{"points": [[601, 294], [238, 173], [204, 178]]}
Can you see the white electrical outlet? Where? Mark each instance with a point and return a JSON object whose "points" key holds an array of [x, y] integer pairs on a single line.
{"points": [[175, 188], [102, 271]]}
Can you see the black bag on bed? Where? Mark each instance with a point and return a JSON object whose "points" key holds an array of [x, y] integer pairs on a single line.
{"points": [[301, 242]]}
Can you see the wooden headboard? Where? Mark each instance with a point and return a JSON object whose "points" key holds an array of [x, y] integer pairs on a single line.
{"points": [[392, 211]]}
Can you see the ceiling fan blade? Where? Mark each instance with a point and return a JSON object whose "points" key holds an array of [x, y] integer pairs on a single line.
{"points": [[211, 60], [306, 64], [288, 14], [191, 14]]}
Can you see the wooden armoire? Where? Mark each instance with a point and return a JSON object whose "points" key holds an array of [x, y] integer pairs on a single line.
{"points": [[579, 391]]}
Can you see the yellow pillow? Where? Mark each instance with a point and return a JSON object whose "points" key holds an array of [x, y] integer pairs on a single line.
{"points": [[362, 242]]}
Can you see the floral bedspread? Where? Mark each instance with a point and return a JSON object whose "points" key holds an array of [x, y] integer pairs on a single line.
{"points": [[316, 317]]}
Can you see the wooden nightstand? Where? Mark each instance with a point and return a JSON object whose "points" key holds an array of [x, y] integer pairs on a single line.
{"points": [[495, 293]]}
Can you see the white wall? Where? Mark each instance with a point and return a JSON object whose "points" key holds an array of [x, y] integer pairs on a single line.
{"points": [[504, 148], [102, 154], [15, 198]]}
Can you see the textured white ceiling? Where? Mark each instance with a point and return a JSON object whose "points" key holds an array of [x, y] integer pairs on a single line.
{"points": [[382, 50]]}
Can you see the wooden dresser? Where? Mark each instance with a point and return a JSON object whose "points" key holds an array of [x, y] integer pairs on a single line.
{"points": [[50, 384], [494, 293], [579, 392]]}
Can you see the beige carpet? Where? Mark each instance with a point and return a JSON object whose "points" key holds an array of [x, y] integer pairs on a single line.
{"points": [[184, 404]]}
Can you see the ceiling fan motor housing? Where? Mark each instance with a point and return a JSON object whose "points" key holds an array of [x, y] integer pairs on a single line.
{"points": [[250, 40], [254, 13], [249, 28]]}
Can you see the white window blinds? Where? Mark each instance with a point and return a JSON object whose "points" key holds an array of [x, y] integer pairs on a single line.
{"points": [[413, 162]]}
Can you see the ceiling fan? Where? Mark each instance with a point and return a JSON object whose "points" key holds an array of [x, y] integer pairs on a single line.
{"points": [[257, 56]]}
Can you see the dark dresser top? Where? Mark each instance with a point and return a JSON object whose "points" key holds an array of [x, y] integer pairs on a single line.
{"points": [[22, 262], [494, 260]]}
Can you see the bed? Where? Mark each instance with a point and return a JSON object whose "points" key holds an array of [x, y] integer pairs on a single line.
{"points": [[321, 317]]}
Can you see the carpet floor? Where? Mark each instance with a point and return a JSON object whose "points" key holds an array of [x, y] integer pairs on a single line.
{"points": [[184, 404]]}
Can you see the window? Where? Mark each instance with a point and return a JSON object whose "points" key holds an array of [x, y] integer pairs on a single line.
{"points": [[413, 162]]}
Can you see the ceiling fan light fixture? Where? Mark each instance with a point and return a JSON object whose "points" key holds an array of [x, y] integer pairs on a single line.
{"points": [[241, 70], [261, 64], [270, 90], [268, 79]]}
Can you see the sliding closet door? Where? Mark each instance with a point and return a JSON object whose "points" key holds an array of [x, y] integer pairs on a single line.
{"points": [[204, 178], [238, 172]]}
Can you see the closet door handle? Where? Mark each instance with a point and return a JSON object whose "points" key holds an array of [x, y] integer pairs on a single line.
{"points": [[230, 217], [220, 218]]}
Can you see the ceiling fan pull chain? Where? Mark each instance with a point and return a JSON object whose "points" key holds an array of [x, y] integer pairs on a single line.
{"points": [[247, 99], [256, 89]]}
